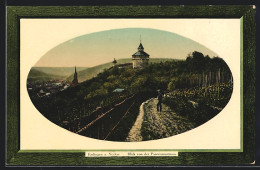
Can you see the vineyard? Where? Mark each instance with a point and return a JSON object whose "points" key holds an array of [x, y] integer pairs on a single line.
{"points": [[109, 118], [196, 89], [200, 104], [183, 110]]}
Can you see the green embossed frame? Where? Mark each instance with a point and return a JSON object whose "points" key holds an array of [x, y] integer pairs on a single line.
{"points": [[16, 157]]}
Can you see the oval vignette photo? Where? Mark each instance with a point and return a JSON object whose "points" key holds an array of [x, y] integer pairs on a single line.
{"points": [[130, 84]]}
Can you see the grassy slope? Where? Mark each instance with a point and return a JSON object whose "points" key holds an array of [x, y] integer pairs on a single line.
{"points": [[61, 71], [91, 72], [38, 75]]}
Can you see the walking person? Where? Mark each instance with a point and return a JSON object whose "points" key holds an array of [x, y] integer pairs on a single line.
{"points": [[159, 104]]}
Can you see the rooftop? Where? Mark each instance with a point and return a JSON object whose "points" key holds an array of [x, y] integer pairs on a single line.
{"points": [[140, 51]]}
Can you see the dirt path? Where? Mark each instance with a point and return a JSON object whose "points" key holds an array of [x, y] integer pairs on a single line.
{"points": [[135, 132], [151, 124], [162, 124]]}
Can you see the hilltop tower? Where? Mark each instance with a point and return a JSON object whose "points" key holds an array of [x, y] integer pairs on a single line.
{"points": [[140, 58], [75, 80]]}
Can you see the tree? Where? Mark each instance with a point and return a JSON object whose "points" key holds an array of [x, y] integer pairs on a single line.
{"points": [[171, 86]]}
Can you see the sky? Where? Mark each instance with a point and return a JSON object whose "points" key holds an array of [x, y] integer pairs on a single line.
{"points": [[101, 47]]}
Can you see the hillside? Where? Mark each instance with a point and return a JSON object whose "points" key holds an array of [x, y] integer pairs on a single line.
{"points": [[91, 72], [196, 89], [60, 71], [35, 75]]}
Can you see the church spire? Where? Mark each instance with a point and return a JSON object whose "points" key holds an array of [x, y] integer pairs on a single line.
{"points": [[75, 80]]}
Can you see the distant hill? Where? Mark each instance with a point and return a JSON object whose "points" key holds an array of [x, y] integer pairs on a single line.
{"points": [[60, 71], [35, 75], [91, 72]]}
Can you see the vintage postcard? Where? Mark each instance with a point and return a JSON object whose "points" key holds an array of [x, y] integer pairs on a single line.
{"points": [[128, 84], [139, 88]]}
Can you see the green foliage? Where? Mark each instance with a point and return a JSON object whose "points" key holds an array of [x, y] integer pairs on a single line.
{"points": [[199, 70], [171, 86], [201, 103], [91, 72], [123, 128], [80, 102], [196, 114]]}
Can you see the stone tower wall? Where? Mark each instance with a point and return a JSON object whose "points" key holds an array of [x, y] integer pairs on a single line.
{"points": [[140, 63]]}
